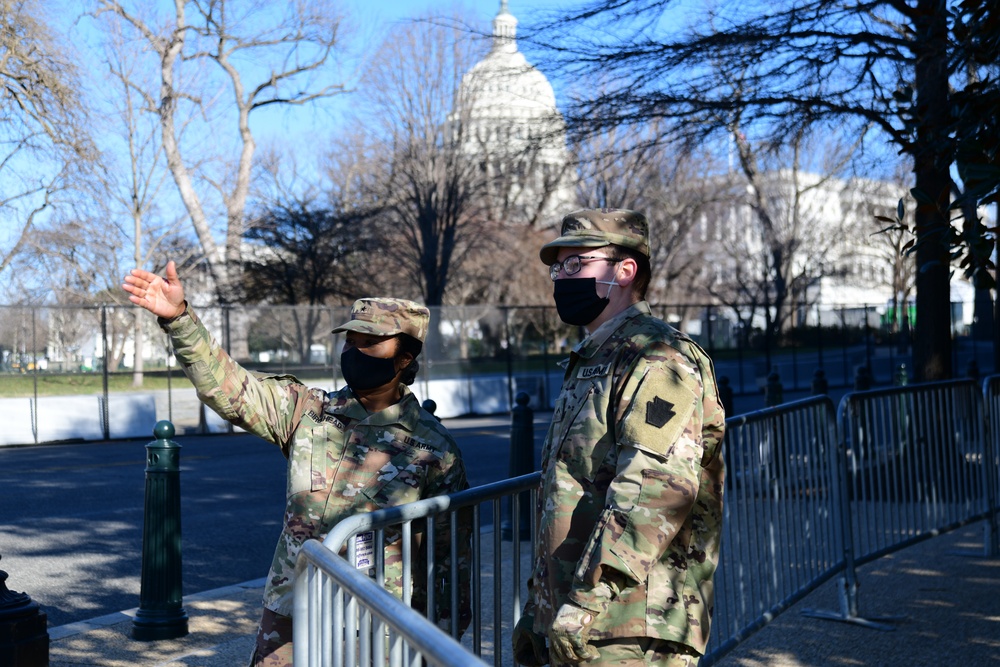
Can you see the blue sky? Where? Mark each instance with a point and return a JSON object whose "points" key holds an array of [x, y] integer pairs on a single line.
{"points": [[369, 19], [298, 125]]}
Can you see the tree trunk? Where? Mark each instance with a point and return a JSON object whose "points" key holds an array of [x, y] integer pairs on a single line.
{"points": [[932, 335], [137, 364], [996, 307]]}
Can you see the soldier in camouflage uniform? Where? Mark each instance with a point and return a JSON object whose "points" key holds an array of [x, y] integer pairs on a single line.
{"points": [[630, 505], [363, 447]]}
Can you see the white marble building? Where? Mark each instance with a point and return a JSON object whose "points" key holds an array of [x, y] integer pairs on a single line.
{"points": [[505, 115]]}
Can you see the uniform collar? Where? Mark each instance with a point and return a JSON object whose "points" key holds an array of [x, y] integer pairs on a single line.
{"points": [[589, 346], [405, 413]]}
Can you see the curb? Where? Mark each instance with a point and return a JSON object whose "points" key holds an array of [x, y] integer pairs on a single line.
{"points": [[80, 627]]}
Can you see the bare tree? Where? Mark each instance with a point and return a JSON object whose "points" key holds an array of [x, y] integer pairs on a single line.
{"points": [[881, 69], [264, 54], [433, 214], [42, 137], [462, 168], [79, 258], [133, 172], [625, 167], [890, 236], [305, 254], [793, 241]]}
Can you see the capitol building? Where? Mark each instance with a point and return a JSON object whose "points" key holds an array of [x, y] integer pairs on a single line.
{"points": [[505, 116]]}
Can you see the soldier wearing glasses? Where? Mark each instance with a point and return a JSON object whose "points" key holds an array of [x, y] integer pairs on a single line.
{"points": [[630, 504]]}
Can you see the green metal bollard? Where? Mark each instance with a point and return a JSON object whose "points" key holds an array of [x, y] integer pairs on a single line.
{"points": [[522, 462], [160, 614], [773, 391]]}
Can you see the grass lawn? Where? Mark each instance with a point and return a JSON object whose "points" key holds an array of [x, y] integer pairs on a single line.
{"points": [[14, 386], [69, 384]]}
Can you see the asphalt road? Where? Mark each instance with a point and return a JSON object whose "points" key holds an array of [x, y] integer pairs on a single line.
{"points": [[71, 515]]}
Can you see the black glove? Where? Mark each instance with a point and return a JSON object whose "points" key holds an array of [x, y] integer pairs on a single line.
{"points": [[529, 646]]}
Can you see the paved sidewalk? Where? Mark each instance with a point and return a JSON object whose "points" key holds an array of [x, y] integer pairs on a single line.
{"points": [[947, 594], [221, 627]]}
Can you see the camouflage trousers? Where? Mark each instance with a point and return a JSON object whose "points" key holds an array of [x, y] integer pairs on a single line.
{"points": [[274, 641], [638, 652]]}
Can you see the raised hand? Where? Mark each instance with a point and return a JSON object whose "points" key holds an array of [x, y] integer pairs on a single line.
{"points": [[164, 297]]}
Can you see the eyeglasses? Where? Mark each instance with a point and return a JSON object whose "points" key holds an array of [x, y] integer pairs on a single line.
{"points": [[572, 264]]}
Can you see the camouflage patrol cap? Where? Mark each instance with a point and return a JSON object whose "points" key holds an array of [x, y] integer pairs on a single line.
{"points": [[387, 317], [597, 227]]}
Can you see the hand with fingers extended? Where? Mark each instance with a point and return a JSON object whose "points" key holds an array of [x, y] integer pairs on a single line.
{"points": [[569, 633], [529, 646], [164, 297]]}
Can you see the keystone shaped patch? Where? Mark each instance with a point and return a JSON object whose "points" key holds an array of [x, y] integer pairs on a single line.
{"points": [[659, 412]]}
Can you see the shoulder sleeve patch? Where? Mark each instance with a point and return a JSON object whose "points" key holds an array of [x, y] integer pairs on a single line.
{"points": [[660, 412]]}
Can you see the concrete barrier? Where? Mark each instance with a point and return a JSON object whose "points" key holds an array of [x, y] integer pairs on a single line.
{"points": [[15, 415], [131, 415], [451, 396], [69, 418], [488, 395], [134, 415], [216, 424]]}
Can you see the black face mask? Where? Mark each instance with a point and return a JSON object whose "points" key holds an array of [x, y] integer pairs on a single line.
{"points": [[577, 301], [362, 371]]}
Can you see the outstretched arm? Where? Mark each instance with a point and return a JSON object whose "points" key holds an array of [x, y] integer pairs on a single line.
{"points": [[164, 297]]}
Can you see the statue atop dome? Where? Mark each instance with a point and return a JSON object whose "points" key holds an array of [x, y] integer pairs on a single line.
{"points": [[504, 30]]}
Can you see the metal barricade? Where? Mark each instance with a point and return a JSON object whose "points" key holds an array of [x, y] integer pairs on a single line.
{"points": [[317, 590], [991, 401], [913, 467], [804, 503], [323, 579], [781, 533], [915, 463]]}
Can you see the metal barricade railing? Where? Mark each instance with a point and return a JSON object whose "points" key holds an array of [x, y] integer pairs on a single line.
{"points": [[781, 537], [805, 502], [478, 507], [991, 401], [913, 466], [323, 579], [915, 463]]}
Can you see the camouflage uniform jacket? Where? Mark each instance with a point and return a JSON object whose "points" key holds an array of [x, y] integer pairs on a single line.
{"points": [[341, 459], [631, 485]]}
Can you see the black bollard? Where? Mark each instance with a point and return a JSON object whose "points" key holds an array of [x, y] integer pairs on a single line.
{"points": [[160, 614], [430, 406], [24, 637], [972, 370], [820, 386], [773, 391], [522, 462], [726, 395], [862, 378]]}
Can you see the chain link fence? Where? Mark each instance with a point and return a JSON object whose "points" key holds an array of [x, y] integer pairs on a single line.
{"points": [[475, 359]]}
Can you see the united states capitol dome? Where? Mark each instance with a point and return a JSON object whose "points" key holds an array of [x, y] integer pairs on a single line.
{"points": [[506, 117], [504, 84]]}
